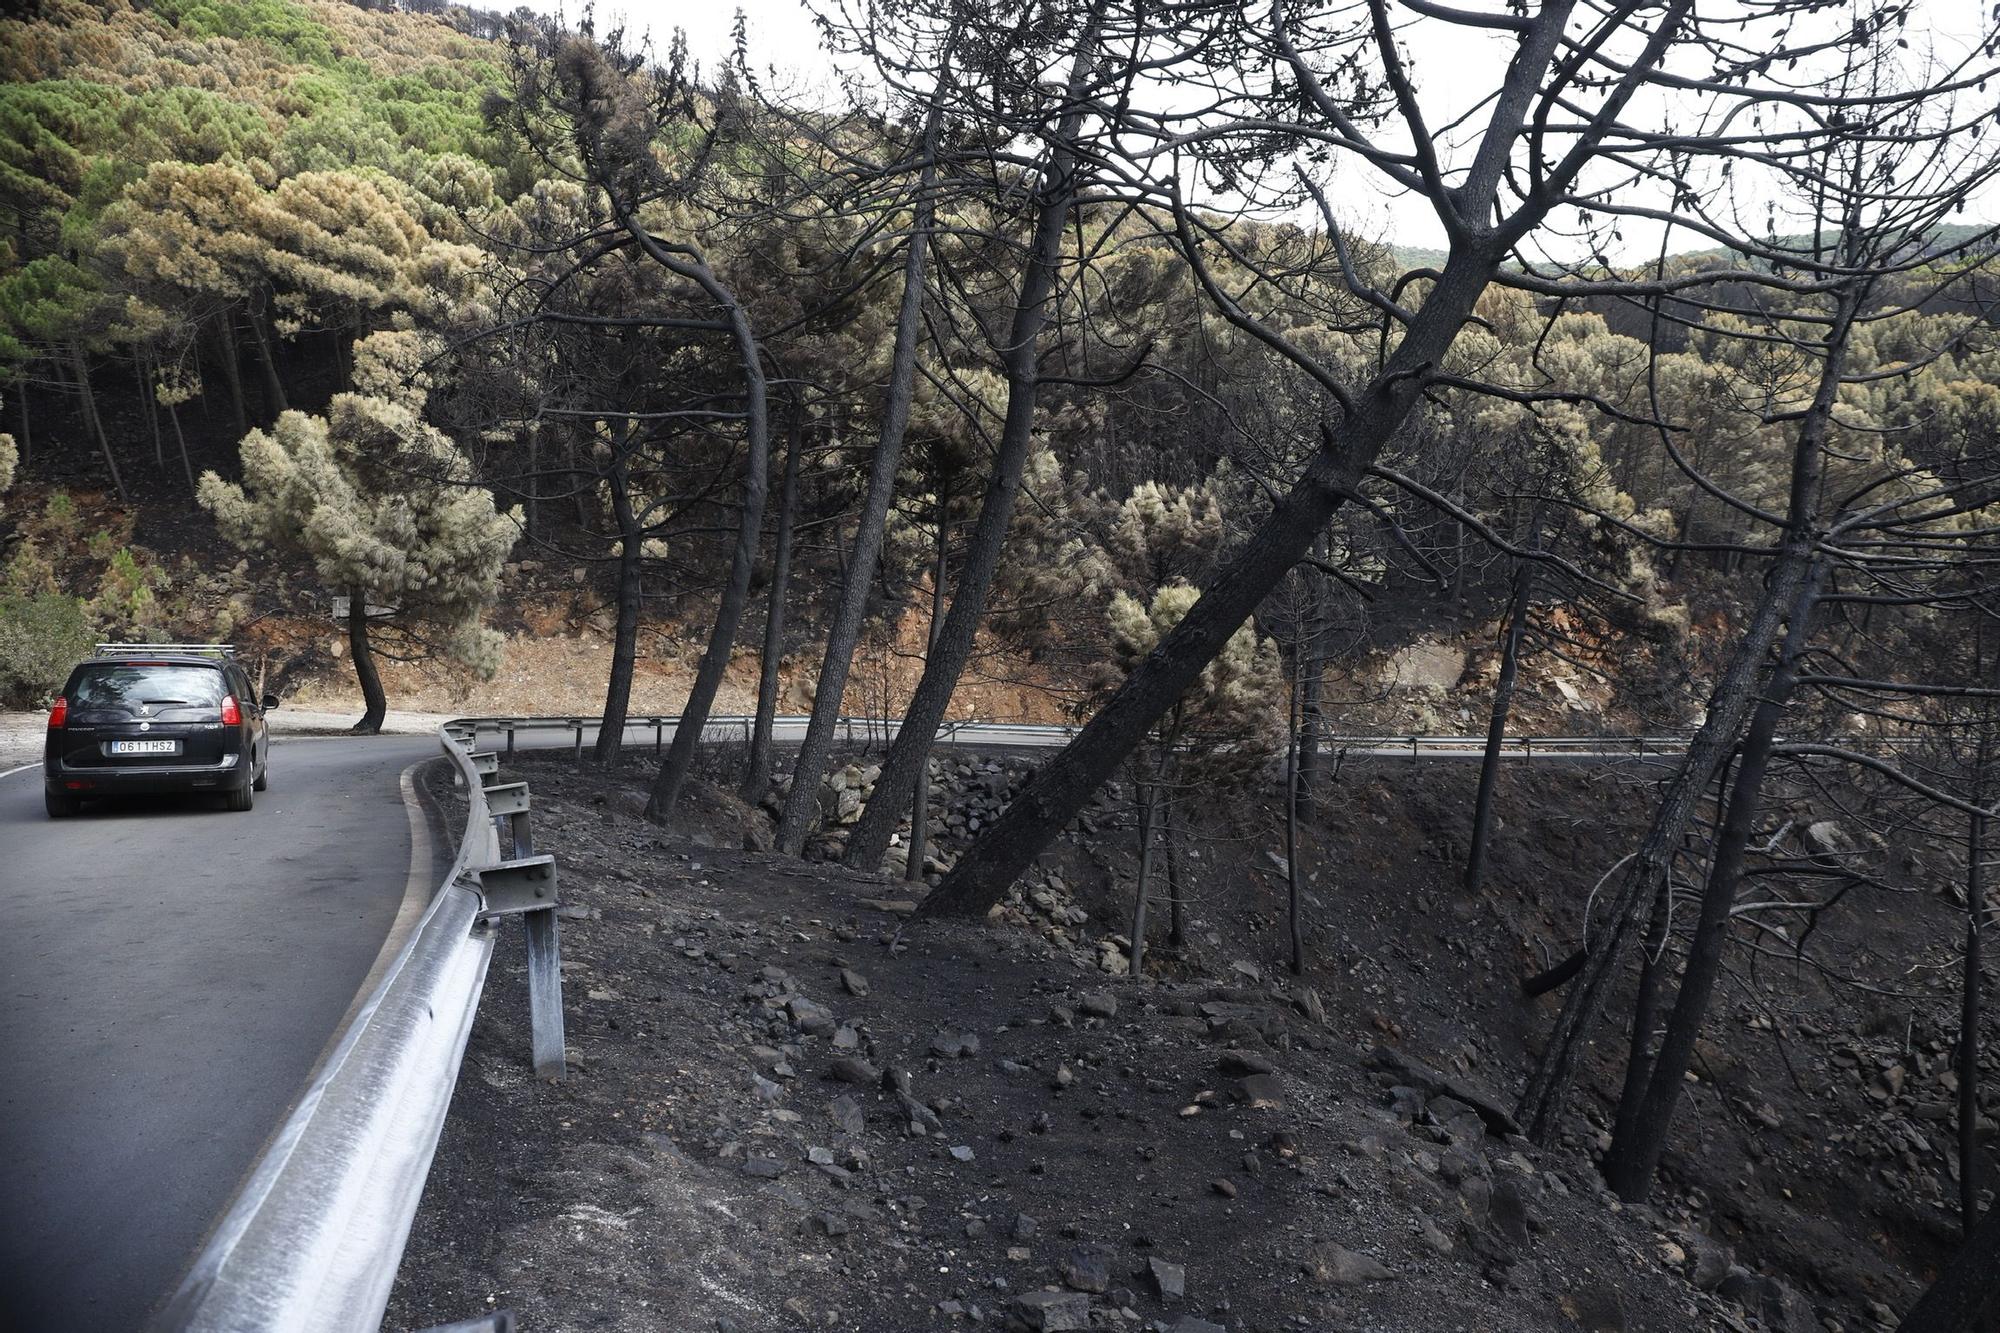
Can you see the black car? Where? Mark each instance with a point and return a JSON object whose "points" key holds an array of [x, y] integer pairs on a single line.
{"points": [[148, 718]]}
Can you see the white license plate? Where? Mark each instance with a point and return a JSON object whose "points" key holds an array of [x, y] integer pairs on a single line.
{"points": [[145, 747]]}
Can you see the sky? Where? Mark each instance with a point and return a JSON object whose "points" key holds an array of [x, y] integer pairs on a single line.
{"points": [[1447, 62]]}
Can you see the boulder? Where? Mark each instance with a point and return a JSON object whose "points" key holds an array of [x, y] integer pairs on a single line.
{"points": [[1052, 1311], [1336, 1266]]}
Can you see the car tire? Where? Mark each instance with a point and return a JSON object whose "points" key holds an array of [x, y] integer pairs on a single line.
{"points": [[263, 777], [237, 800], [60, 806]]}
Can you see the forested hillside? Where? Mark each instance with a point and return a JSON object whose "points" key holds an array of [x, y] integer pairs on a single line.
{"points": [[1040, 365]]}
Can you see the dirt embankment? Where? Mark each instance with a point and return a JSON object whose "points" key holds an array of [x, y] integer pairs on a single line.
{"points": [[791, 1108]]}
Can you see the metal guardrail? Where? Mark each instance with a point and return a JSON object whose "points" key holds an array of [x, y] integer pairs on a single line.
{"points": [[507, 731], [312, 1240]]}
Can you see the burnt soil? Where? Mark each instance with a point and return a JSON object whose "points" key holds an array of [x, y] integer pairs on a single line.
{"points": [[699, 1169]]}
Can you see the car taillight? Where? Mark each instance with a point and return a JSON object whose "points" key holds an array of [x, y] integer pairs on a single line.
{"points": [[231, 714], [59, 714]]}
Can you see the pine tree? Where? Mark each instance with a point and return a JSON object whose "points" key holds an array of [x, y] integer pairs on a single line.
{"points": [[385, 507]]}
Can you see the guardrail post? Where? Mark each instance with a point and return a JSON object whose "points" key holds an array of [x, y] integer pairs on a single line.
{"points": [[659, 727], [507, 802], [524, 885], [578, 724], [520, 883], [545, 1016]]}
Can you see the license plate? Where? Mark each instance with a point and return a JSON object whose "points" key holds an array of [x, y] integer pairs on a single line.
{"points": [[145, 747]]}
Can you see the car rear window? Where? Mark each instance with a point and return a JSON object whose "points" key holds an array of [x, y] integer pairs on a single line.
{"points": [[128, 684]]}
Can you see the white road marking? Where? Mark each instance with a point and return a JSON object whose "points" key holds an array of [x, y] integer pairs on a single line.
{"points": [[22, 769]]}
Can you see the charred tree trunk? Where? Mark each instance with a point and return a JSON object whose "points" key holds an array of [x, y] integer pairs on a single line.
{"points": [[1630, 1165], [1971, 1000], [1645, 1012], [94, 421], [1148, 801], [180, 441], [858, 566], [942, 667], [625, 639], [1176, 905], [141, 385], [756, 475], [232, 370], [274, 388], [1728, 710], [375, 704], [1967, 1290], [27, 426], [530, 498], [920, 802], [1496, 726], [757, 774], [1311, 725], [1292, 835]]}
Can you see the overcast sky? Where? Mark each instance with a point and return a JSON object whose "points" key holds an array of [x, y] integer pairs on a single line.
{"points": [[1450, 59]]}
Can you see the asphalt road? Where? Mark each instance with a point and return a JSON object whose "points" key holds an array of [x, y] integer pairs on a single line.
{"points": [[172, 974]]}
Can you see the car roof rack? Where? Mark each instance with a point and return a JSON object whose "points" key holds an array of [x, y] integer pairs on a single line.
{"points": [[166, 650]]}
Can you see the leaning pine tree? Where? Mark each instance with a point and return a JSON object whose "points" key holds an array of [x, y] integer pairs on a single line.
{"points": [[384, 506]]}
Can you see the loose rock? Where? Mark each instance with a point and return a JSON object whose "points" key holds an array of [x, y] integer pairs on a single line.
{"points": [[1336, 1266], [1053, 1311]]}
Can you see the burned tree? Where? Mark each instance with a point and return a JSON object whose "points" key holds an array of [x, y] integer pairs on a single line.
{"points": [[1493, 199]]}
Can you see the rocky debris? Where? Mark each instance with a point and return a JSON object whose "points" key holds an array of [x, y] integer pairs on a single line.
{"points": [[853, 1069], [1169, 1281], [1086, 1268], [853, 983], [1052, 1311], [1771, 1302], [1188, 1323], [848, 1116], [809, 1016], [1261, 1092], [1336, 1266], [1414, 1073], [1709, 1261], [1099, 1004], [1595, 1307], [955, 1046], [1508, 1214], [922, 1119]]}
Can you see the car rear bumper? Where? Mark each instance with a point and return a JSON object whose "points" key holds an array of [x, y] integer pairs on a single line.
{"points": [[151, 780]]}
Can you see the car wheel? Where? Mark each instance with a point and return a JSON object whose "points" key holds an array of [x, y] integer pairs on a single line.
{"points": [[60, 806], [238, 799]]}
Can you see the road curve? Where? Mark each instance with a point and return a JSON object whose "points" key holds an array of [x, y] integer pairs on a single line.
{"points": [[172, 975]]}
